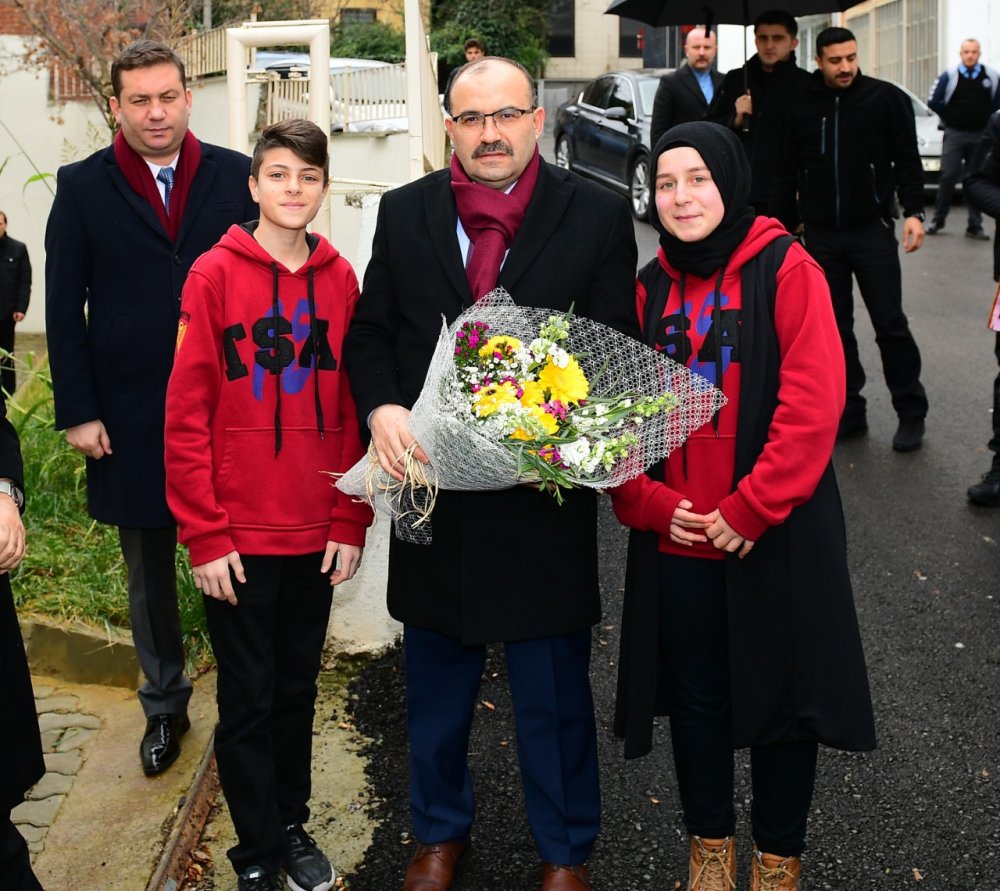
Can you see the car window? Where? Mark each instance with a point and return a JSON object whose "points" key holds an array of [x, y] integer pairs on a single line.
{"points": [[647, 93], [597, 92], [621, 97]]}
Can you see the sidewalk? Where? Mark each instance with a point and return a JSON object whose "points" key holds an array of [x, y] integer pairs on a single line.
{"points": [[96, 821]]}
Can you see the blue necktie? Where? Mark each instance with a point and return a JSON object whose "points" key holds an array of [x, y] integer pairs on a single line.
{"points": [[166, 176]]}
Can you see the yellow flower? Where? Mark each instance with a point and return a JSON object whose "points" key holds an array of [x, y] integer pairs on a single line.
{"points": [[497, 343], [543, 417], [532, 393], [490, 398], [567, 384]]}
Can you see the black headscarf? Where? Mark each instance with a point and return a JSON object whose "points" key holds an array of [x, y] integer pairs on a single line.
{"points": [[723, 155]]}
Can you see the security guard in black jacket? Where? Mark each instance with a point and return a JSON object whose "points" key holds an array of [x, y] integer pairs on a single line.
{"points": [[848, 148]]}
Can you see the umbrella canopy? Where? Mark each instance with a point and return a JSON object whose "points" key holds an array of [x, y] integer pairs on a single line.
{"points": [[724, 12]]}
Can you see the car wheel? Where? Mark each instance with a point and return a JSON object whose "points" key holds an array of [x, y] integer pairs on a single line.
{"points": [[638, 187], [564, 154]]}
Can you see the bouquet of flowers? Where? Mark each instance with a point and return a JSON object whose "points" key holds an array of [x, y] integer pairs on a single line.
{"points": [[519, 394]]}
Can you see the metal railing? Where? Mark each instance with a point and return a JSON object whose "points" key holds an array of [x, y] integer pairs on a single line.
{"points": [[204, 52]]}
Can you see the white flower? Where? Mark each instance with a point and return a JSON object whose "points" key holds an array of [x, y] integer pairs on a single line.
{"points": [[575, 453], [559, 356]]}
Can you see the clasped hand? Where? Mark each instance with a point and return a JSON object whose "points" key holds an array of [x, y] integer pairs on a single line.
{"points": [[687, 527]]}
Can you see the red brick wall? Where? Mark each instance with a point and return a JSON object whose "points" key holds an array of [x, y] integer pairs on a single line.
{"points": [[11, 21]]}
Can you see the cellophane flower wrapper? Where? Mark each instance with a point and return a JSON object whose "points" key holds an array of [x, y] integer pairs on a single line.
{"points": [[639, 406]]}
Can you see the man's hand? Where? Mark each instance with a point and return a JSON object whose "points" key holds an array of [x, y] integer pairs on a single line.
{"points": [[90, 438], [11, 535], [390, 426], [213, 578], [724, 537], [350, 560], [18, 317], [744, 106], [913, 234]]}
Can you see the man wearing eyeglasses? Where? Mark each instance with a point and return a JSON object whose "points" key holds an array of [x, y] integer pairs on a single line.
{"points": [[507, 567]]}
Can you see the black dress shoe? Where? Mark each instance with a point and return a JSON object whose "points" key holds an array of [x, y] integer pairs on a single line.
{"points": [[910, 435], [852, 425], [933, 227], [976, 234], [162, 743], [987, 492]]}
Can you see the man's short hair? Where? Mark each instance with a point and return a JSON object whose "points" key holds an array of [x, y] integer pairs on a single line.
{"points": [[830, 36], [2, 214], [475, 43], [778, 17], [144, 54], [471, 67], [303, 138]]}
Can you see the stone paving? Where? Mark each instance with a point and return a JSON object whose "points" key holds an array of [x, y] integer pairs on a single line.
{"points": [[68, 735]]}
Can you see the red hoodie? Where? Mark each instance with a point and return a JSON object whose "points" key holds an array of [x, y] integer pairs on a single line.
{"points": [[248, 449], [811, 393]]}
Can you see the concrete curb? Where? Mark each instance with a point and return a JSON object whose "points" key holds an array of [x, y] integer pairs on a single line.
{"points": [[189, 822], [75, 653]]}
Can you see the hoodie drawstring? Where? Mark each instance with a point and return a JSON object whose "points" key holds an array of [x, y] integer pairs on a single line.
{"points": [[277, 359], [314, 335]]}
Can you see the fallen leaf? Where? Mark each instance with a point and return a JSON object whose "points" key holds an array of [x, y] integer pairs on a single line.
{"points": [[917, 877], [654, 800], [920, 576], [490, 706]]}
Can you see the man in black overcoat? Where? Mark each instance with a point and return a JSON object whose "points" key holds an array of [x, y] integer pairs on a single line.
{"points": [[510, 566], [125, 227], [15, 294], [691, 93], [20, 743]]}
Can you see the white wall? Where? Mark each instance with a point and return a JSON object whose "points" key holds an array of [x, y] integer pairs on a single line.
{"points": [[978, 19]]}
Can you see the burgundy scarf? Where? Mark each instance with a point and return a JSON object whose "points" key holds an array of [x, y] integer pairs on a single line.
{"points": [[138, 175], [491, 219]]}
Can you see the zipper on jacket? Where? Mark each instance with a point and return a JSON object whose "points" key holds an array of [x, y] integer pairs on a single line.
{"points": [[878, 203], [836, 159]]}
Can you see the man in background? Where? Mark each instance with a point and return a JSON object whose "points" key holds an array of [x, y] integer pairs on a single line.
{"points": [[963, 97], [693, 91], [755, 95], [15, 292]]}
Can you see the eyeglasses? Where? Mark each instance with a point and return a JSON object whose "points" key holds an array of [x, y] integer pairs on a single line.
{"points": [[476, 120]]}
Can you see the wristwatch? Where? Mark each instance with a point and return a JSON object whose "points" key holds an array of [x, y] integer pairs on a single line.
{"points": [[8, 488], [919, 215]]}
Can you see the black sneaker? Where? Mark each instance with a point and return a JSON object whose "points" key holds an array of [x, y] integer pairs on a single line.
{"points": [[306, 867], [256, 878], [987, 492], [910, 435], [933, 227], [852, 425], [976, 234]]}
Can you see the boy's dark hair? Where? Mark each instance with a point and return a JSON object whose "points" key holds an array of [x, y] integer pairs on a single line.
{"points": [[830, 36], [479, 63], [144, 54], [778, 17], [474, 42], [2, 214], [303, 138]]}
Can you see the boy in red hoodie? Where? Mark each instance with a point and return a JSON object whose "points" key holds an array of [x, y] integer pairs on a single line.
{"points": [[259, 411]]}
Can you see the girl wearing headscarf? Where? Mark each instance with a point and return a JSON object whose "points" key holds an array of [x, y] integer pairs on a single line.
{"points": [[739, 619]]}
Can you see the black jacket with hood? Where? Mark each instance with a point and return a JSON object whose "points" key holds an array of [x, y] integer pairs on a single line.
{"points": [[847, 153]]}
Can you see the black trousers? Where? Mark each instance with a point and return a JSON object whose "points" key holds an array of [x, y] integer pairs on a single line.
{"points": [[8, 377], [694, 634], [871, 255], [15, 861], [957, 150], [995, 441], [268, 649]]}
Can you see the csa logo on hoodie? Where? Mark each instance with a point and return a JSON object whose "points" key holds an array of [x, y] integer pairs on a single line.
{"points": [[181, 331]]}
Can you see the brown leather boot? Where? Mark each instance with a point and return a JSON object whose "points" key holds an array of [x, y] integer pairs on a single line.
{"points": [[772, 872], [713, 864], [433, 867], [556, 877]]}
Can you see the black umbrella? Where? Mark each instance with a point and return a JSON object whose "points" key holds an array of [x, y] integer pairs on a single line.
{"points": [[725, 12]]}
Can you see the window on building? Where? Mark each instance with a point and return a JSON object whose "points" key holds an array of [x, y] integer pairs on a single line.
{"points": [[562, 26], [921, 45], [349, 16], [629, 45]]}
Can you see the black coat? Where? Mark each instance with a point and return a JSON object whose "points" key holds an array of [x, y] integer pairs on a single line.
{"points": [[507, 565], [772, 94], [680, 100], [20, 743], [846, 155], [113, 289], [797, 667], [982, 183], [15, 277]]}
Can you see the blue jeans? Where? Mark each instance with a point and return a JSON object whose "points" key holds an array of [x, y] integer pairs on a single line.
{"points": [[959, 146]]}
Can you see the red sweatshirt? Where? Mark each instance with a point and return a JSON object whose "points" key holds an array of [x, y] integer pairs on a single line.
{"points": [[811, 393], [254, 426]]}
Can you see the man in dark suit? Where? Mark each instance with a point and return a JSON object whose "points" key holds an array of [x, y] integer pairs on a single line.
{"points": [[499, 216], [693, 91], [20, 743], [126, 225], [15, 292]]}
